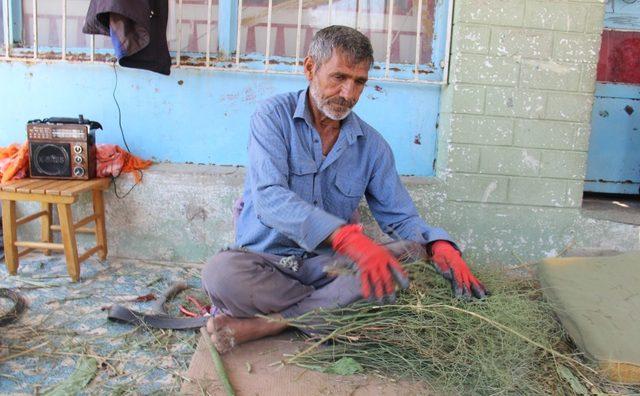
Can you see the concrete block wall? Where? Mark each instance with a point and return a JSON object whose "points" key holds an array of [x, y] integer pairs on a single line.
{"points": [[518, 108], [514, 127]]}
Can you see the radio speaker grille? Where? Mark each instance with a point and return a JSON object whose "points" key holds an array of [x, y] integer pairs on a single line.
{"points": [[50, 159]]}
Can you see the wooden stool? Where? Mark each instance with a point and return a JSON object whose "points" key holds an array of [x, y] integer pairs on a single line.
{"points": [[63, 193]]}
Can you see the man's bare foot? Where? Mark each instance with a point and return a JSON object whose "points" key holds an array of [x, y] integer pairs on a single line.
{"points": [[227, 332]]}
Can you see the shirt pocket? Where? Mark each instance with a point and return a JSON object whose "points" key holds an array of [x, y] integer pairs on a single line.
{"points": [[302, 179], [350, 185], [349, 190]]}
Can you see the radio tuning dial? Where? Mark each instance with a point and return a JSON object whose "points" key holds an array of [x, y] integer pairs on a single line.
{"points": [[78, 159], [79, 172], [77, 149]]}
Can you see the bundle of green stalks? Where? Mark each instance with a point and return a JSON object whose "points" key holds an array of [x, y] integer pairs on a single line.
{"points": [[506, 343]]}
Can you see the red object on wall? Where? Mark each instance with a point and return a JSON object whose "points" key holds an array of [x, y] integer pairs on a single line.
{"points": [[619, 57]]}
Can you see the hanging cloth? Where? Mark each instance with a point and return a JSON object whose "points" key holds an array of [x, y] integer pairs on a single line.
{"points": [[138, 31]]}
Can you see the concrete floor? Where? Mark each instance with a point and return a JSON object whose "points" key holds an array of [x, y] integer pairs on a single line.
{"points": [[66, 322], [617, 208]]}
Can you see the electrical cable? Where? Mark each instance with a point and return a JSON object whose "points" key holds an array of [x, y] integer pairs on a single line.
{"points": [[124, 140], [115, 87]]}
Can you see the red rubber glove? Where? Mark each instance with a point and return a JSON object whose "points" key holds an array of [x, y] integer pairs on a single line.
{"points": [[378, 268], [449, 263]]}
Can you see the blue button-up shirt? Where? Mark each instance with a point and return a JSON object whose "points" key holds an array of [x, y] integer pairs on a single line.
{"points": [[294, 198]]}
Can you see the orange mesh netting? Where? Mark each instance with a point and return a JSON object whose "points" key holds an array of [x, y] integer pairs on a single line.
{"points": [[113, 160], [14, 162]]}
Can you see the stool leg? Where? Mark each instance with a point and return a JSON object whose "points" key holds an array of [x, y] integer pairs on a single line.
{"points": [[101, 230], [69, 241], [45, 226], [9, 230]]}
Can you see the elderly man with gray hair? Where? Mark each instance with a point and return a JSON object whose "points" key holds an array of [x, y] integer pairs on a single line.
{"points": [[311, 160]]}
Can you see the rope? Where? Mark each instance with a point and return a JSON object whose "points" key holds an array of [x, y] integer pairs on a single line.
{"points": [[19, 305]]}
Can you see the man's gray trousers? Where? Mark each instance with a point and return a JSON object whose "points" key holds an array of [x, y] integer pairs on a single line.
{"points": [[243, 284]]}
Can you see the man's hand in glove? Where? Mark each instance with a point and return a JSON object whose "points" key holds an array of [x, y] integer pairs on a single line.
{"points": [[379, 270], [448, 262]]}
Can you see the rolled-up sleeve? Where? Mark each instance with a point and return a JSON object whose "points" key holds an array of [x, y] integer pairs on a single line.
{"points": [[392, 206], [276, 205]]}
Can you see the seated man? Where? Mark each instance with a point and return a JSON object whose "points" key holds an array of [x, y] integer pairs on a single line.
{"points": [[311, 160]]}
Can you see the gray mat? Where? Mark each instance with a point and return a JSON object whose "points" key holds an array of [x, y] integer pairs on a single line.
{"points": [[598, 302]]}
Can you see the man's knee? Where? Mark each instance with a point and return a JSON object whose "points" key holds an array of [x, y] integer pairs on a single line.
{"points": [[219, 274]]}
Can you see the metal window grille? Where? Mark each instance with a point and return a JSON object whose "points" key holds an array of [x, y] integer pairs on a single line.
{"points": [[236, 21]]}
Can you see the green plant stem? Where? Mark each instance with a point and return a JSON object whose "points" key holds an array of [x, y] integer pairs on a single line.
{"points": [[217, 361], [529, 340]]}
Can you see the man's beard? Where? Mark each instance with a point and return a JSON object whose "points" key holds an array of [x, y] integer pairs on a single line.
{"points": [[328, 106]]}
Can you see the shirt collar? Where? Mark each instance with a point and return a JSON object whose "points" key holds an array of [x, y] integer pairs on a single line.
{"points": [[302, 111], [350, 125]]}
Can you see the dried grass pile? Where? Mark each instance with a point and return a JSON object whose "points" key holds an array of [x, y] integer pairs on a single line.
{"points": [[507, 343]]}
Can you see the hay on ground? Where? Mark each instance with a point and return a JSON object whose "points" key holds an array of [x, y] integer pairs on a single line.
{"points": [[507, 343]]}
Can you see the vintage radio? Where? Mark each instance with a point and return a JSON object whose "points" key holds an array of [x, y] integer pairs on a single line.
{"points": [[62, 148]]}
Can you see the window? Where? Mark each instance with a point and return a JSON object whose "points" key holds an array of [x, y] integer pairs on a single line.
{"points": [[410, 37]]}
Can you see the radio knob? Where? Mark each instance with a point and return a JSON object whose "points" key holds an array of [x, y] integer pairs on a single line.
{"points": [[77, 171], [78, 159], [77, 149]]}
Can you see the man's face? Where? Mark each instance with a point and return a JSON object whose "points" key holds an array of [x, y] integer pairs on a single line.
{"points": [[335, 86]]}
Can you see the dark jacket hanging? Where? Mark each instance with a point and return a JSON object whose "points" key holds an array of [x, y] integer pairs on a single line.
{"points": [[138, 31]]}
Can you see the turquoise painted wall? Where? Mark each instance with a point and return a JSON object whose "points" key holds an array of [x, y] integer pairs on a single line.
{"points": [[198, 115]]}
